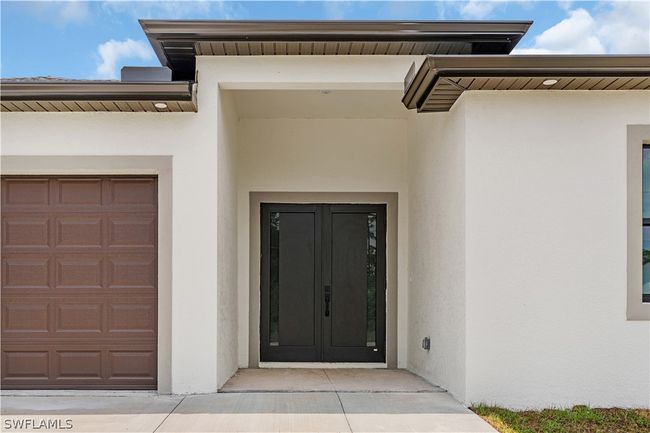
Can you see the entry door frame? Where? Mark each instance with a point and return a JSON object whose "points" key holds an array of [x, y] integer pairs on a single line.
{"points": [[256, 198]]}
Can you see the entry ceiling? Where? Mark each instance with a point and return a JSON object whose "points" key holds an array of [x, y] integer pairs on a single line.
{"points": [[305, 104]]}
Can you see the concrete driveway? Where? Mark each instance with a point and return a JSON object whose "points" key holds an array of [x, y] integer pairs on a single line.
{"points": [[257, 401], [244, 412]]}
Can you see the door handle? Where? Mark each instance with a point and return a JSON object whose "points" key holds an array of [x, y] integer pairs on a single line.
{"points": [[328, 295]]}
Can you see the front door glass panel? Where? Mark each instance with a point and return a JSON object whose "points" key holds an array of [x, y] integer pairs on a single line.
{"points": [[371, 273]]}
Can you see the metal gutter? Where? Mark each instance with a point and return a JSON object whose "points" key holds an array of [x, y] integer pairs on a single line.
{"points": [[435, 68], [94, 90], [288, 30], [175, 41], [25, 95]]}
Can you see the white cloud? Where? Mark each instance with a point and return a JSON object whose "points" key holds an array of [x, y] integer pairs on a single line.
{"points": [[479, 9], [149, 9], [621, 27], [60, 12], [74, 11], [336, 10], [575, 34], [626, 27], [113, 52], [482, 9]]}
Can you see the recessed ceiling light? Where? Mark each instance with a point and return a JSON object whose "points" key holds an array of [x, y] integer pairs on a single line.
{"points": [[549, 82], [160, 105]]}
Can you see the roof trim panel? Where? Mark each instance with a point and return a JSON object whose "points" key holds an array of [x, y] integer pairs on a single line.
{"points": [[53, 95], [440, 80], [177, 42]]}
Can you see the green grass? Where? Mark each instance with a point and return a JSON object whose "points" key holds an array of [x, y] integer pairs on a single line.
{"points": [[579, 419]]}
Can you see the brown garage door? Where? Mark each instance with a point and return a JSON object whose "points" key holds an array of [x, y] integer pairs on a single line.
{"points": [[79, 282]]}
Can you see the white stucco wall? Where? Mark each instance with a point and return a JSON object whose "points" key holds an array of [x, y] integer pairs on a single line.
{"points": [[436, 173], [226, 238], [546, 231], [205, 212], [512, 219], [315, 155], [191, 139], [320, 155]]}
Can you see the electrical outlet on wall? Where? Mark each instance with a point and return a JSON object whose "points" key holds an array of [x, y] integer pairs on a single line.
{"points": [[426, 343]]}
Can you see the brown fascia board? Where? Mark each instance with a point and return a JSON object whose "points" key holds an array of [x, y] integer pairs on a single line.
{"points": [[324, 30], [188, 32], [435, 67], [94, 91]]}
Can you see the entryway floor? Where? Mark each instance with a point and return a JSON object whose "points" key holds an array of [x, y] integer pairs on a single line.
{"points": [[328, 379], [371, 402]]}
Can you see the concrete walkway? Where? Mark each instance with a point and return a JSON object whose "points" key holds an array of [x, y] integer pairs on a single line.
{"points": [[348, 406]]}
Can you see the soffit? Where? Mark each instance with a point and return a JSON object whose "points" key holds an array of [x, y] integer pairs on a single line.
{"points": [[178, 42], [440, 81], [58, 95]]}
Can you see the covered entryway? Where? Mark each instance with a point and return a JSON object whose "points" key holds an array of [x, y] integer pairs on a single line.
{"points": [[323, 282], [79, 282]]}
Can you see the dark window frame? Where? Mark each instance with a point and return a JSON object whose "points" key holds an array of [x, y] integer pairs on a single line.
{"points": [[645, 297]]}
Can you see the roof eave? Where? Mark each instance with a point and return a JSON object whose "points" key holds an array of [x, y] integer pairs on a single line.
{"points": [[307, 30], [497, 37], [436, 67], [23, 93], [181, 90]]}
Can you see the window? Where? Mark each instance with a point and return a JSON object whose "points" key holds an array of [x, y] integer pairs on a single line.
{"points": [[638, 222], [646, 223]]}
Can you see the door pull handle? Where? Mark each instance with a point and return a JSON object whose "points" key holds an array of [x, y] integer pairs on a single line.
{"points": [[328, 294]]}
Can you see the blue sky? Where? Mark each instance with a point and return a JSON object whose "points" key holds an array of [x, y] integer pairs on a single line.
{"points": [[94, 39]]}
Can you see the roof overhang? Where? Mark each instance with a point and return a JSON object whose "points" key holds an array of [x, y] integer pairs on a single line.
{"points": [[177, 42], [440, 80], [73, 95]]}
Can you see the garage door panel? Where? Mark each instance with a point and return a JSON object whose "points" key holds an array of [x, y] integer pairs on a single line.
{"points": [[79, 231], [22, 365], [21, 319], [139, 316], [21, 232], [98, 318], [25, 193], [125, 364], [132, 231], [78, 192], [83, 365], [133, 192], [128, 270], [79, 317], [25, 271], [79, 271], [79, 282]]}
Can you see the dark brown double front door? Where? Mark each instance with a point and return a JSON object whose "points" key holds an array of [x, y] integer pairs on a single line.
{"points": [[323, 282]]}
